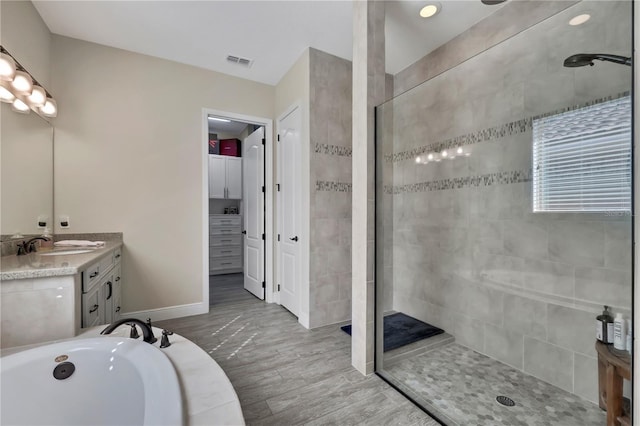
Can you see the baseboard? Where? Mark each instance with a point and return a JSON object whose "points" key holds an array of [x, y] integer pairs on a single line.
{"points": [[169, 312], [303, 319]]}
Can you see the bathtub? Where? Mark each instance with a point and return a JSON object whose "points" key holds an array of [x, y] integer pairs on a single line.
{"points": [[113, 381]]}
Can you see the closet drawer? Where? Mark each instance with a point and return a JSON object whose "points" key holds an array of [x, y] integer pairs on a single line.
{"points": [[224, 229], [225, 220], [225, 240], [224, 263], [225, 251]]}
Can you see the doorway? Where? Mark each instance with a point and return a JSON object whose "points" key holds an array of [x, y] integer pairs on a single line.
{"points": [[237, 208]]}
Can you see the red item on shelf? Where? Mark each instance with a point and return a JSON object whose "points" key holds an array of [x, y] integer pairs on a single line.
{"points": [[230, 147]]}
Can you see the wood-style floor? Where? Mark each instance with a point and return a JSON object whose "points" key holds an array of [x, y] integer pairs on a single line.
{"points": [[285, 374]]}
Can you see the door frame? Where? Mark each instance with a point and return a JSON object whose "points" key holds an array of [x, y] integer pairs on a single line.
{"points": [[304, 212], [268, 183]]}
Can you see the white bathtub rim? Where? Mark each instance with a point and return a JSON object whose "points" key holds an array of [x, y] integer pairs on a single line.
{"points": [[156, 371]]}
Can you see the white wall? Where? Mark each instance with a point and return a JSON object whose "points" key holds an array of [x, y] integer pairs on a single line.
{"points": [[26, 139], [26, 37], [294, 88], [128, 157], [26, 171]]}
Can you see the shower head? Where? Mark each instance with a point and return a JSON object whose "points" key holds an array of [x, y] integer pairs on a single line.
{"points": [[584, 59]]}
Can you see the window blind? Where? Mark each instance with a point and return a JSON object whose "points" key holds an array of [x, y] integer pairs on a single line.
{"points": [[582, 159]]}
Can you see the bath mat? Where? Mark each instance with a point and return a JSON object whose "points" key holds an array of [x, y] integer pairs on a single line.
{"points": [[401, 329]]}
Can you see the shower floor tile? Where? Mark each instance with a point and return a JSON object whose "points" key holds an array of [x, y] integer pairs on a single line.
{"points": [[463, 385]]}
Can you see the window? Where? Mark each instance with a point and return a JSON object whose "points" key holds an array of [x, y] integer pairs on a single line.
{"points": [[582, 159]]}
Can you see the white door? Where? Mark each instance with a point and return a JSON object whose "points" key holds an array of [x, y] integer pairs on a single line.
{"points": [[253, 201], [217, 176], [289, 201], [234, 178]]}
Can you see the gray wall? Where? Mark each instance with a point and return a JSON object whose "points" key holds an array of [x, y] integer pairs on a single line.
{"points": [[330, 109], [330, 131], [468, 253]]}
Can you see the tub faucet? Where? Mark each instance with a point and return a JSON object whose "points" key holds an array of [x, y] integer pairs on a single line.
{"points": [[147, 333], [29, 246]]}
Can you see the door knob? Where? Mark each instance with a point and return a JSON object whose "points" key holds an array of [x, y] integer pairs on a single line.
{"points": [[244, 232], [294, 238]]}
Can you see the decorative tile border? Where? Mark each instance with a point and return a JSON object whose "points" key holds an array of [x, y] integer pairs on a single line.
{"points": [[488, 179], [496, 132], [341, 151], [483, 135], [584, 105], [322, 185]]}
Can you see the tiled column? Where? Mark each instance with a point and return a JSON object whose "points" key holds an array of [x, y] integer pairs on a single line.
{"points": [[368, 91]]}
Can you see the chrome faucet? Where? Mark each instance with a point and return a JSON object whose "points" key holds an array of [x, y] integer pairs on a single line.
{"points": [[147, 333], [29, 246]]}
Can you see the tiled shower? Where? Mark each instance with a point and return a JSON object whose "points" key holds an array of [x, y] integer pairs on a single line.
{"points": [[458, 243]]}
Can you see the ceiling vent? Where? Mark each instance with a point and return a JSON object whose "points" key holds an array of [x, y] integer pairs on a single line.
{"points": [[245, 62]]}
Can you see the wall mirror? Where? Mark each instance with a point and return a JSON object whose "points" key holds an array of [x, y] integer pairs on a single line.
{"points": [[26, 173]]}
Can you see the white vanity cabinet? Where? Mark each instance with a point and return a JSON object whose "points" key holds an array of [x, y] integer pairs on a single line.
{"points": [[117, 291], [225, 177], [101, 290], [46, 296]]}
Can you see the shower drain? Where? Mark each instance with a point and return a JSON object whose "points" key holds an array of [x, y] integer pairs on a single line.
{"points": [[505, 400]]}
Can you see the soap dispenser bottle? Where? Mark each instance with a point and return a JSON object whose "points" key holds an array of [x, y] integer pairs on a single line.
{"points": [[619, 332], [604, 327], [49, 242]]}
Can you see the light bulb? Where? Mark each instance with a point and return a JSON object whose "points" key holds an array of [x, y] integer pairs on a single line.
{"points": [[7, 67], [580, 19], [429, 10], [6, 95], [444, 153], [50, 108], [38, 96], [417, 159], [19, 106], [459, 150], [22, 82]]}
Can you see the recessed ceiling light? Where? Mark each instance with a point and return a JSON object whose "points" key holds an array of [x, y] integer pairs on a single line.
{"points": [[430, 10], [580, 19], [224, 120]]}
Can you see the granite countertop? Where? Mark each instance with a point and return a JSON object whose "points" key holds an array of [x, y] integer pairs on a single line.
{"points": [[39, 265], [208, 397]]}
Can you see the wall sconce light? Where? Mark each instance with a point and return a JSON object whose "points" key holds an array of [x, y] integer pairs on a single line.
{"points": [[21, 90]]}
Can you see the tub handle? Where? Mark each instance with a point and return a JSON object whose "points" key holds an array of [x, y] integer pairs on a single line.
{"points": [[95, 308]]}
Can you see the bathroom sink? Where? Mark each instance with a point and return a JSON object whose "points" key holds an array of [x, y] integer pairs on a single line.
{"points": [[65, 252]]}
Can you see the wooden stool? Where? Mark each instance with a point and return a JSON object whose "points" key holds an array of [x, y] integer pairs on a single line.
{"points": [[613, 366]]}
